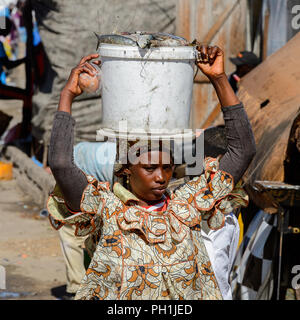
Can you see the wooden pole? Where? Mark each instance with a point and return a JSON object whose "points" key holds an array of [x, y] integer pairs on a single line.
{"points": [[202, 79], [29, 44], [27, 107], [266, 35], [219, 23], [212, 116], [183, 28]]}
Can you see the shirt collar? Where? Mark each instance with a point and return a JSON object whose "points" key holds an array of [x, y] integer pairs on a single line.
{"points": [[123, 194]]}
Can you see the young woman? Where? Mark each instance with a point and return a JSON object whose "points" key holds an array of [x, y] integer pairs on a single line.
{"points": [[147, 242]]}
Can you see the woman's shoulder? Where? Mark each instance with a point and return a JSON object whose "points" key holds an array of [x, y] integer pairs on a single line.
{"points": [[196, 183], [213, 193]]}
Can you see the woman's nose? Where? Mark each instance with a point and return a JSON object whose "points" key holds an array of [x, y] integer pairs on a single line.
{"points": [[159, 176]]}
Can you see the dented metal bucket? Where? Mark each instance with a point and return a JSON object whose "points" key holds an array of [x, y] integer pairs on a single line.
{"points": [[146, 90]]}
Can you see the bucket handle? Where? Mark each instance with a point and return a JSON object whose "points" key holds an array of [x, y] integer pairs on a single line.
{"points": [[196, 53]]}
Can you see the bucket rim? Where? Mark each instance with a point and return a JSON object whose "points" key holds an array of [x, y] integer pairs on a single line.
{"points": [[108, 50]]}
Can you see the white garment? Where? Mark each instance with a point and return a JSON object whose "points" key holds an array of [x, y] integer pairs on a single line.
{"points": [[221, 246]]}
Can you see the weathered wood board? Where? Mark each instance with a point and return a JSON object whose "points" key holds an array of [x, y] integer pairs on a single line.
{"points": [[214, 22], [271, 95]]}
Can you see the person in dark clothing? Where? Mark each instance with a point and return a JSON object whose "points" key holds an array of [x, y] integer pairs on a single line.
{"points": [[9, 92], [245, 61]]}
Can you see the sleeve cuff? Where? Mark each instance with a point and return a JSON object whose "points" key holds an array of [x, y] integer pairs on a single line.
{"points": [[64, 116], [232, 108]]}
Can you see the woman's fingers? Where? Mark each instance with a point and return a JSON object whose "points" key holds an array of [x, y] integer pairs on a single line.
{"points": [[209, 51], [83, 68], [212, 54], [90, 67], [88, 58], [98, 62], [208, 54], [84, 62], [88, 70], [203, 52], [216, 51]]}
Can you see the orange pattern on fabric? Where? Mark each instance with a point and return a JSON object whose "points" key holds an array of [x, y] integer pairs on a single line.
{"points": [[140, 254]]}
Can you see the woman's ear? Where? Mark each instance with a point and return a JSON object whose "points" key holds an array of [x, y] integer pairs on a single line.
{"points": [[127, 171]]}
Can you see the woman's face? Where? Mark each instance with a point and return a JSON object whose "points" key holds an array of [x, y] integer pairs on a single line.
{"points": [[150, 177]]}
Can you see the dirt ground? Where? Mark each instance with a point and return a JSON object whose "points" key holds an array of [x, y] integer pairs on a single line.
{"points": [[30, 249]]}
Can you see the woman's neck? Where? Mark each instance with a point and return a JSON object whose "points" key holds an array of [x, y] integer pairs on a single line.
{"points": [[144, 203]]}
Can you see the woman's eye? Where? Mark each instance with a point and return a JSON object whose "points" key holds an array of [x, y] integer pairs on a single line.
{"points": [[150, 169]]}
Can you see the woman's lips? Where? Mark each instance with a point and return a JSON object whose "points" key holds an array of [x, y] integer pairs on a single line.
{"points": [[160, 190]]}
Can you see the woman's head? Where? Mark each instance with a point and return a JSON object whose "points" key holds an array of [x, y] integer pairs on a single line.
{"points": [[148, 171], [150, 176]]}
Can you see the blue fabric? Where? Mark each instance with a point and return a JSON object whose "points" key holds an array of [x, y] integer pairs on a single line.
{"points": [[96, 159], [36, 161], [2, 55], [2, 77], [36, 36], [23, 34], [2, 51], [4, 12]]}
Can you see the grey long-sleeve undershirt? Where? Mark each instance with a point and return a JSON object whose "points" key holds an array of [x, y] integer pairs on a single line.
{"points": [[72, 181]]}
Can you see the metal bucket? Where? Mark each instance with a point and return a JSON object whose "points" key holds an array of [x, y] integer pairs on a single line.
{"points": [[146, 90]]}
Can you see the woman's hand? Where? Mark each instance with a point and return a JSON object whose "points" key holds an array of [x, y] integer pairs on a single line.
{"points": [[210, 61], [72, 88]]}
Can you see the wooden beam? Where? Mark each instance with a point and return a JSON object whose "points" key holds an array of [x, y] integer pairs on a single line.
{"points": [[183, 27], [219, 23], [201, 78], [27, 106], [212, 116], [266, 35]]}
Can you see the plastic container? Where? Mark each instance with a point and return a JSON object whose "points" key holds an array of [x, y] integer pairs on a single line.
{"points": [[146, 90], [6, 171]]}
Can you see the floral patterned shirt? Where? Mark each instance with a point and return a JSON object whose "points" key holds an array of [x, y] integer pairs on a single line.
{"points": [[139, 254]]}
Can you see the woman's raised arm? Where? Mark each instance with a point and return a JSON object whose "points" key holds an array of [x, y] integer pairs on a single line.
{"points": [[68, 176], [241, 146]]}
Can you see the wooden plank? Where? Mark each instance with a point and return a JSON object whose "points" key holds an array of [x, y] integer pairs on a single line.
{"points": [[201, 102], [211, 21], [220, 29], [265, 34], [201, 78], [27, 105], [271, 97], [183, 26], [220, 21], [212, 116]]}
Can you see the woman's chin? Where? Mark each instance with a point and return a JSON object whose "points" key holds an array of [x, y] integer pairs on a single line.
{"points": [[153, 196], [158, 193]]}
